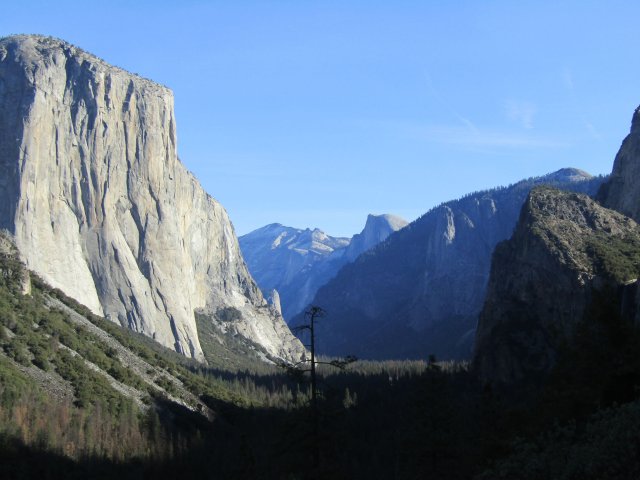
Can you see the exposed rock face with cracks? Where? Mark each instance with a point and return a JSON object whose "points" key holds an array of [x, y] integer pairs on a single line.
{"points": [[622, 191], [100, 206]]}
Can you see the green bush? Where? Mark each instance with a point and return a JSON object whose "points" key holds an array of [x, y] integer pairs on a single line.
{"points": [[228, 314], [16, 349], [616, 258]]}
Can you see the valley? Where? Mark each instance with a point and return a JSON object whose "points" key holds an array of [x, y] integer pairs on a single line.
{"points": [[494, 337]]}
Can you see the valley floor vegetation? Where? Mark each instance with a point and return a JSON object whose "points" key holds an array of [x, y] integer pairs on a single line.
{"points": [[72, 407]]}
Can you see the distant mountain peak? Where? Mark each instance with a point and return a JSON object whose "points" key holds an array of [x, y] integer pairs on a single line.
{"points": [[568, 175], [297, 261], [393, 221], [376, 230]]}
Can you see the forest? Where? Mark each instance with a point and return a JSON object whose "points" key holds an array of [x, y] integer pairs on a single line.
{"points": [[388, 420]]}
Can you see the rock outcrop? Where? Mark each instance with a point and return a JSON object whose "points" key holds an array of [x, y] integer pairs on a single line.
{"points": [[622, 191], [376, 230], [100, 206], [543, 281], [420, 291], [298, 262], [274, 300]]}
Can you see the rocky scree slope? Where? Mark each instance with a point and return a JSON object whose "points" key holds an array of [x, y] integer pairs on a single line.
{"points": [[73, 355], [545, 278], [297, 262], [420, 291], [100, 206]]}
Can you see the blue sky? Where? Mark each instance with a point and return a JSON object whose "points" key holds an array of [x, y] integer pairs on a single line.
{"points": [[313, 114]]}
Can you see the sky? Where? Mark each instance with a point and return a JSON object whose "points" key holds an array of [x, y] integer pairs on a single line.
{"points": [[317, 113]]}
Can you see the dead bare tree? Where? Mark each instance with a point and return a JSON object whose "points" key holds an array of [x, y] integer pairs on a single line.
{"points": [[312, 315]]}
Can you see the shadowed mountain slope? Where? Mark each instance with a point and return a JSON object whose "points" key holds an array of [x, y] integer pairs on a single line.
{"points": [[420, 291]]}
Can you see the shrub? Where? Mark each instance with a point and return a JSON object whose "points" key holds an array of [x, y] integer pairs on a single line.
{"points": [[17, 350], [228, 314]]}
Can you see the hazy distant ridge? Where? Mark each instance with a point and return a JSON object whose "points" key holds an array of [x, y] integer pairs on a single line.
{"points": [[297, 262]]}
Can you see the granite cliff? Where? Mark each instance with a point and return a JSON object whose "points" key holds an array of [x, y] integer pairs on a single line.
{"points": [[420, 291], [376, 230], [544, 280], [622, 191], [568, 255], [100, 206], [298, 262]]}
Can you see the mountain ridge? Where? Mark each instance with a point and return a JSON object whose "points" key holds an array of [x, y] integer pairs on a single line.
{"points": [[565, 249], [420, 291], [296, 262], [570, 270]]}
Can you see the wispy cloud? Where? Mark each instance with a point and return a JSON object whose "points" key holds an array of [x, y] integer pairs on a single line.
{"points": [[468, 135], [455, 135], [521, 112], [471, 127], [464, 134], [433, 92]]}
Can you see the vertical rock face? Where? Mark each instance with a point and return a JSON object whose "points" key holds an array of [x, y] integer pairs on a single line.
{"points": [[565, 248], [274, 300], [100, 206], [622, 191], [376, 230], [420, 291]]}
